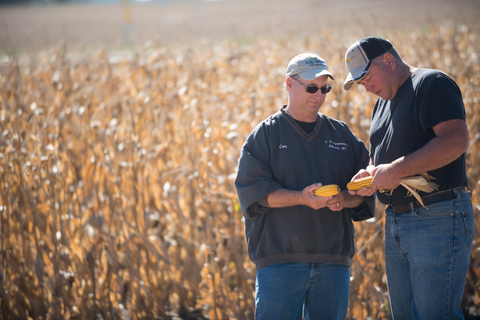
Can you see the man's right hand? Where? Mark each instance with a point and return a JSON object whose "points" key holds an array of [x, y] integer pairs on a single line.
{"points": [[311, 200]]}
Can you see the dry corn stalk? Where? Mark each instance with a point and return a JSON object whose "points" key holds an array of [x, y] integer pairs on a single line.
{"points": [[327, 191], [144, 194]]}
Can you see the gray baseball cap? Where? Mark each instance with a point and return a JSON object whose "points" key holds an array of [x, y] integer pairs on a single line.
{"points": [[309, 66], [360, 55]]}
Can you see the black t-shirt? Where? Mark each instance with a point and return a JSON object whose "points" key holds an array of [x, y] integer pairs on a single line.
{"points": [[308, 127], [405, 124]]}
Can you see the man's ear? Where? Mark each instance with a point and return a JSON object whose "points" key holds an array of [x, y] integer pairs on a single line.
{"points": [[389, 60], [288, 83]]}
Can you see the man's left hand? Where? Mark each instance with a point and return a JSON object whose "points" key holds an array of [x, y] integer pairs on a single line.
{"points": [[336, 203]]}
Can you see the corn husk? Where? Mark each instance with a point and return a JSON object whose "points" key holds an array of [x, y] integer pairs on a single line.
{"points": [[421, 182]]}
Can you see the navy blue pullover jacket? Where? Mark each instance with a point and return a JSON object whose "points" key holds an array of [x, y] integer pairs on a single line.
{"points": [[279, 154]]}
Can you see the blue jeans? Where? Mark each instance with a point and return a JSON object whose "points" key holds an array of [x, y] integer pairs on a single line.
{"points": [[427, 252], [286, 290]]}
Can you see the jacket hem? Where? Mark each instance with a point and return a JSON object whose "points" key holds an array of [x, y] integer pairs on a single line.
{"points": [[303, 257]]}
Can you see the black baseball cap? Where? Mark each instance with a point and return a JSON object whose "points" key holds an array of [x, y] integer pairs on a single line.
{"points": [[360, 55]]}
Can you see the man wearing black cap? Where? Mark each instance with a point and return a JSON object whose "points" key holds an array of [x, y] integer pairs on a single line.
{"points": [[418, 125], [301, 244]]}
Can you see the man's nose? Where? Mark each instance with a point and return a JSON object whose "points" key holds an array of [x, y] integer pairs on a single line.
{"points": [[319, 93]]}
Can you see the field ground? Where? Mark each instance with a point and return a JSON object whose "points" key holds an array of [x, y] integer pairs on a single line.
{"points": [[87, 26]]}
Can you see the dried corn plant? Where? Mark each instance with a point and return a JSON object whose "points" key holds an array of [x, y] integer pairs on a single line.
{"points": [[116, 169]]}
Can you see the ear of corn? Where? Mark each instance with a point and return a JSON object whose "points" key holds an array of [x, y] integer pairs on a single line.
{"points": [[359, 183], [327, 191]]}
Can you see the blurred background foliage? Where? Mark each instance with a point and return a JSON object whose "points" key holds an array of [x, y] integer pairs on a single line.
{"points": [[120, 130]]}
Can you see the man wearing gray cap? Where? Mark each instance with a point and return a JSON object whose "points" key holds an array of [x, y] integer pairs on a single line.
{"points": [[301, 244], [418, 126]]}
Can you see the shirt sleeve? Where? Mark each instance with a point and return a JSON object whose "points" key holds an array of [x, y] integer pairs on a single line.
{"points": [[254, 176], [440, 100]]}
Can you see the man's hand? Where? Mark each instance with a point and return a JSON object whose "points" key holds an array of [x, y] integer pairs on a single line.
{"points": [[337, 202], [385, 178], [365, 191], [287, 198], [311, 200]]}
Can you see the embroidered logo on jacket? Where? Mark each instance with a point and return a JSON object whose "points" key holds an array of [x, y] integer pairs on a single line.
{"points": [[336, 145], [282, 146]]}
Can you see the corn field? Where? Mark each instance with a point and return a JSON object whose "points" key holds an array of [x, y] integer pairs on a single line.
{"points": [[117, 168]]}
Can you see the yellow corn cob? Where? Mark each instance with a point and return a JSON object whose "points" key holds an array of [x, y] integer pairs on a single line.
{"points": [[359, 183], [327, 191]]}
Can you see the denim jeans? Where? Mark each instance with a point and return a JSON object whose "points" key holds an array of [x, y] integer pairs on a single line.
{"points": [[427, 252], [285, 290]]}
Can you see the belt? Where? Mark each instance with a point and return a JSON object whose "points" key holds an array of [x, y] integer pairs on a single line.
{"points": [[429, 199]]}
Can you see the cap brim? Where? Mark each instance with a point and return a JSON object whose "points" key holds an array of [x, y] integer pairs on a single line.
{"points": [[356, 74], [312, 74]]}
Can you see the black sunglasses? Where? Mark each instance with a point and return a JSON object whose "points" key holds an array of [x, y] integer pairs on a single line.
{"points": [[313, 89]]}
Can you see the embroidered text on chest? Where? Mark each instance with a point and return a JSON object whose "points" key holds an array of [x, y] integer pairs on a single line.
{"points": [[336, 145]]}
